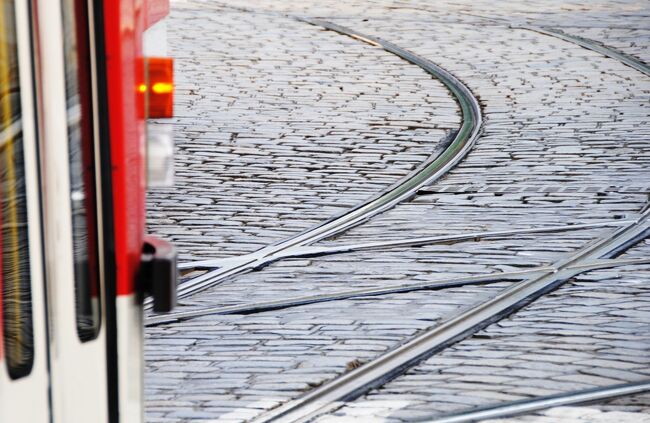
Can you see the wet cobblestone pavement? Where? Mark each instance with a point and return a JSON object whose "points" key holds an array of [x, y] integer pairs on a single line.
{"points": [[281, 125]]}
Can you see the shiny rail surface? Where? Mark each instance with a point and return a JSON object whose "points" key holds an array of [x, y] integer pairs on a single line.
{"points": [[578, 397], [374, 292], [352, 385], [319, 251], [612, 53], [533, 284], [537, 404], [332, 395], [432, 169]]}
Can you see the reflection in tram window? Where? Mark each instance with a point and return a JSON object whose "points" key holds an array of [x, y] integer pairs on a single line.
{"points": [[82, 167], [14, 248]]}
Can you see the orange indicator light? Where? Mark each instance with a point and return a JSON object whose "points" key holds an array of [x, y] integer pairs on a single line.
{"points": [[160, 90]]}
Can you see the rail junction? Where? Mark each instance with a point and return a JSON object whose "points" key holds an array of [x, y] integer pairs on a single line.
{"points": [[407, 211]]}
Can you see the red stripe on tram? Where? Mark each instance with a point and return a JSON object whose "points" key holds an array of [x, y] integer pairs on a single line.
{"points": [[124, 23]]}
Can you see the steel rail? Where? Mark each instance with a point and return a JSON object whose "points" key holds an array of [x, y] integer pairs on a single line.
{"points": [[372, 374], [343, 295], [377, 372], [536, 404], [265, 256], [311, 251], [589, 44], [520, 407], [429, 171], [373, 292]]}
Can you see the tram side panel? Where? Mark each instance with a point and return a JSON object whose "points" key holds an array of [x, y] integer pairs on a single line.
{"points": [[132, 150], [73, 175], [23, 348]]}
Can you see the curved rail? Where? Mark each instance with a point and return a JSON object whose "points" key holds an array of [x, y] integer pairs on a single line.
{"points": [[321, 251], [578, 397], [536, 404], [610, 52], [347, 387], [384, 290], [432, 169], [386, 367], [355, 383]]}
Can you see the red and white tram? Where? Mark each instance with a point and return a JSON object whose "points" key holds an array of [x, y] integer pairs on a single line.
{"points": [[75, 93]]}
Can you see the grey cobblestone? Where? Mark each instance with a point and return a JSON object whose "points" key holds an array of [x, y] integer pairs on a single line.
{"points": [[322, 275], [535, 352], [281, 125], [262, 157], [576, 139], [577, 415]]}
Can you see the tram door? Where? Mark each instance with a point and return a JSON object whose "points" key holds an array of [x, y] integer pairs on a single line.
{"points": [[53, 298], [23, 343], [72, 220], [72, 210]]}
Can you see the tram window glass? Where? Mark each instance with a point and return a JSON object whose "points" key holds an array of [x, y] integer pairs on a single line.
{"points": [[15, 282], [83, 199]]}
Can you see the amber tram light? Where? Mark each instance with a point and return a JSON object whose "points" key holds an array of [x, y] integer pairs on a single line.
{"points": [[159, 89]]}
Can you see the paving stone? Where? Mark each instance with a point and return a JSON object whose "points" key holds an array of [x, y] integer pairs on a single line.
{"points": [[281, 125]]}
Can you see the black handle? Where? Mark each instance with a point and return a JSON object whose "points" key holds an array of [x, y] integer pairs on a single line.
{"points": [[159, 273]]}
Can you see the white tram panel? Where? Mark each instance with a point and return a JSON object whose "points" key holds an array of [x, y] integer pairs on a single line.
{"points": [[78, 369], [26, 399]]}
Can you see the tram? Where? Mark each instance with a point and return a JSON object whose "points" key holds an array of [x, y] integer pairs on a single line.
{"points": [[76, 155]]}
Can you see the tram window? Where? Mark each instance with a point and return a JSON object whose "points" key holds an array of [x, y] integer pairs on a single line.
{"points": [[83, 198], [15, 282]]}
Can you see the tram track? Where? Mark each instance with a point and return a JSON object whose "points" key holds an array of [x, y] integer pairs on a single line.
{"points": [[542, 403], [373, 292], [299, 246], [320, 251], [391, 289], [626, 59], [349, 386], [432, 169], [386, 367], [533, 284], [589, 44]]}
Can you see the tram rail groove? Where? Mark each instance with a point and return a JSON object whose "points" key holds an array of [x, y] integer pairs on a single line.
{"points": [[275, 252], [355, 383], [312, 251], [386, 290], [432, 169], [589, 44], [349, 386], [597, 254], [583, 42], [541, 403]]}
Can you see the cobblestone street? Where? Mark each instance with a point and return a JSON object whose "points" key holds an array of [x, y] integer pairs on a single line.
{"points": [[281, 124]]}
